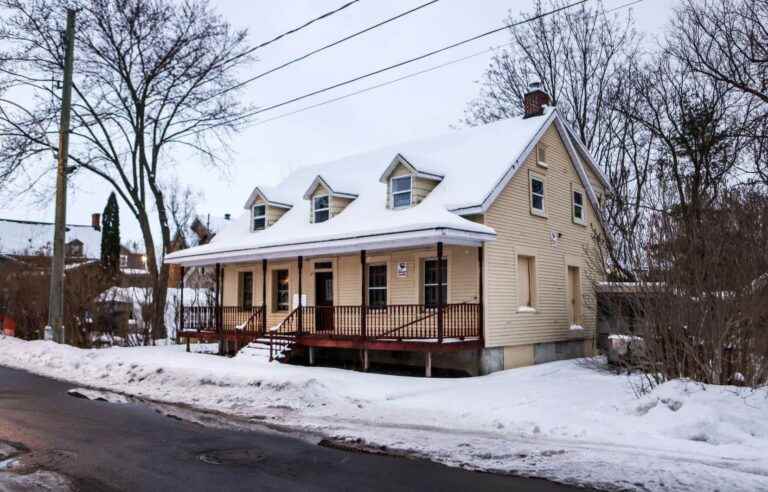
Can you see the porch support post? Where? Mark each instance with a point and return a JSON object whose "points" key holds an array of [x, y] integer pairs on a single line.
{"points": [[217, 307], [481, 292], [264, 296], [428, 365], [363, 301], [300, 313], [440, 299], [365, 360], [181, 304]]}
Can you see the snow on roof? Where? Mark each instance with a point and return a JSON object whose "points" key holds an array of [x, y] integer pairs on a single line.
{"points": [[26, 238], [473, 162]]}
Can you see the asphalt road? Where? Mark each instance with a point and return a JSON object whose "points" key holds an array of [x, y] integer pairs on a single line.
{"points": [[131, 447]]}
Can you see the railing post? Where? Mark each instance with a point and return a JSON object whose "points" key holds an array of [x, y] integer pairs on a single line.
{"points": [[481, 292], [440, 292], [363, 297], [216, 307], [264, 295], [300, 313]]}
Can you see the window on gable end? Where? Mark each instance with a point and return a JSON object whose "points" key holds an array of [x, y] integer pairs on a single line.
{"points": [[401, 191], [259, 217], [541, 155], [538, 206], [577, 203], [321, 210]]}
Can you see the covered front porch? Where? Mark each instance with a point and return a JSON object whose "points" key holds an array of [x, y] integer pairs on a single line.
{"points": [[420, 298]]}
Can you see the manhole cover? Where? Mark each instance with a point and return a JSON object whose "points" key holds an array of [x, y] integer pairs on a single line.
{"points": [[232, 457]]}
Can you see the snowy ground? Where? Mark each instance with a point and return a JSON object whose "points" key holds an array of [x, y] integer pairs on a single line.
{"points": [[567, 421]]}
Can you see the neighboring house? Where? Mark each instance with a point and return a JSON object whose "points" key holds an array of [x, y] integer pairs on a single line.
{"points": [[202, 230], [476, 246]]}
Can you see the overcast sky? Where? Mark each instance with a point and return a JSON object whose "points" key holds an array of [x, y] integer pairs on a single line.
{"points": [[421, 106]]}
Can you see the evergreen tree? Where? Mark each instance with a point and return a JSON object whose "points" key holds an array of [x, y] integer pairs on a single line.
{"points": [[110, 236]]}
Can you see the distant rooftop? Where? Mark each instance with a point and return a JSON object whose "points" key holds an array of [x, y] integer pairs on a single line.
{"points": [[29, 238]]}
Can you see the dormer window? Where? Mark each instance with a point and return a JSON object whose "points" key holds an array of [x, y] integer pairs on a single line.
{"points": [[401, 191], [321, 210], [259, 217]]}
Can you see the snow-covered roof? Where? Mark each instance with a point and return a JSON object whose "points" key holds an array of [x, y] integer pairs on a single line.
{"points": [[26, 238], [474, 163]]}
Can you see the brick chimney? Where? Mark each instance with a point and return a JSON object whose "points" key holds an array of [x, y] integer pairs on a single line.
{"points": [[96, 221], [535, 100]]}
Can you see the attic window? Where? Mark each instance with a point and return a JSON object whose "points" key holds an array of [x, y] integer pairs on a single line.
{"points": [[541, 155], [321, 208], [401, 191], [259, 217]]}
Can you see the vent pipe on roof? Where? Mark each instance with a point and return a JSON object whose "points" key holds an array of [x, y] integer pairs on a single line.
{"points": [[535, 99], [227, 216]]}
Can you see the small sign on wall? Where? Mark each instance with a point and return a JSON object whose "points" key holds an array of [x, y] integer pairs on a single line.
{"points": [[402, 269]]}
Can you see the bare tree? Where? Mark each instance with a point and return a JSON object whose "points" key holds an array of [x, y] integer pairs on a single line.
{"points": [[727, 42], [579, 55], [152, 78], [182, 205]]}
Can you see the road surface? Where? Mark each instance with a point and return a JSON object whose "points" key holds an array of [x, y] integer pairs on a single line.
{"points": [[131, 447]]}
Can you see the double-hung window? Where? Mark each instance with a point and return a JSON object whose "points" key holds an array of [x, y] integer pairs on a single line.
{"points": [[526, 282], [401, 191], [259, 217], [432, 283], [282, 300], [377, 286], [321, 208], [578, 207], [537, 195], [246, 290]]}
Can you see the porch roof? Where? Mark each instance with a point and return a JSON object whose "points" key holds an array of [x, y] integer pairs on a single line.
{"points": [[374, 241]]}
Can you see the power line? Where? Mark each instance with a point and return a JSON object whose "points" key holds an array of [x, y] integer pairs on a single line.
{"points": [[405, 62], [332, 44], [408, 76], [299, 28]]}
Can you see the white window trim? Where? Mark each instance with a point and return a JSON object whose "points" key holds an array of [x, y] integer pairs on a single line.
{"points": [[254, 217], [583, 220], [326, 209], [539, 162], [368, 283], [392, 191], [533, 287], [542, 212], [446, 278]]}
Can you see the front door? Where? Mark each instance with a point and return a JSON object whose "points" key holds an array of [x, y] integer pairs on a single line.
{"points": [[324, 301]]}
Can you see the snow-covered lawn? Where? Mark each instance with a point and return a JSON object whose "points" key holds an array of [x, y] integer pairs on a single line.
{"points": [[567, 421]]}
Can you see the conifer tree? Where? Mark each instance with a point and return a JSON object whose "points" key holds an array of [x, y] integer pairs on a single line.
{"points": [[110, 236]]}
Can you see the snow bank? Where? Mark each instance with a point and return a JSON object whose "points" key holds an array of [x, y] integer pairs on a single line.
{"points": [[568, 421]]}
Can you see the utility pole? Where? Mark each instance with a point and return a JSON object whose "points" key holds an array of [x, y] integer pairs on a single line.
{"points": [[56, 296]]}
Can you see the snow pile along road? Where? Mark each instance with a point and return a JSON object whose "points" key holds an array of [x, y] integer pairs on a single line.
{"points": [[567, 421]]}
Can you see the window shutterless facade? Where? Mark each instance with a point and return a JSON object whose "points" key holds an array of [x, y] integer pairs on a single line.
{"points": [[431, 282], [282, 295], [377, 286], [578, 207], [401, 191], [537, 195], [246, 290], [321, 208], [259, 217]]}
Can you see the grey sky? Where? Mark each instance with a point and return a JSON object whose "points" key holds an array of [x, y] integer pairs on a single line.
{"points": [[421, 106]]}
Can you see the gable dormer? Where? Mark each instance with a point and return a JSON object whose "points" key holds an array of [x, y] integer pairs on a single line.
{"points": [[264, 212], [325, 202], [407, 186]]}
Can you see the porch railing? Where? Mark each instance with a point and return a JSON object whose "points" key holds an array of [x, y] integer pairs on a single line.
{"points": [[391, 322], [213, 318]]}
